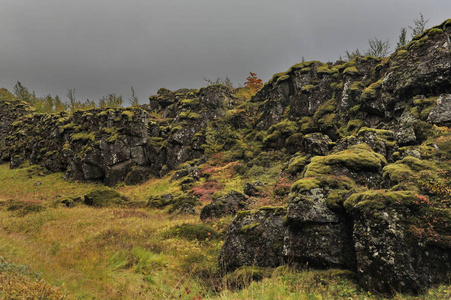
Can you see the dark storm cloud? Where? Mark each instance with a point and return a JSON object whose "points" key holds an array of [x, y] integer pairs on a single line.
{"points": [[100, 47]]}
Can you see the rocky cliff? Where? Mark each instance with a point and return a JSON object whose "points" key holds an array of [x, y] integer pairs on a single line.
{"points": [[371, 149], [367, 143], [116, 144]]}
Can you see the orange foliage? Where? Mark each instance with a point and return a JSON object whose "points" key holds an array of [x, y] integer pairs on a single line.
{"points": [[253, 83]]}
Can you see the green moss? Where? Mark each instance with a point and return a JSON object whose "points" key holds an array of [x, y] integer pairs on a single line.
{"points": [[377, 199], [189, 115], [273, 137], [83, 136], [417, 164], [190, 102], [103, 198], [129, 114], [328, 107], [397, 172], [307, 88], [325, 70], [351, 71], [294, 139], [103, 113], [276, 210], [358, 158], [380, 133], [307, 125], [243, 213], [434, 31], [249, 227], [354, 125], [283, 75], [371, 91], [335, 199], [322, 181], [356, 86], [25, 208], [328, 121], [425, 101], [404, 169], [285, 126], [402, 53], [306, 184], [305, 70], [194, 116], [282, 78], [68, 127], [317, 167], [296, 165]]}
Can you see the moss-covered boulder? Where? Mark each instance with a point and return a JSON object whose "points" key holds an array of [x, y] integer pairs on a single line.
{"points": [[316, 144], [228, 204], [104, 198], [255, 238], [402, 242], [441, 113], [180, 203], [318, 232]]}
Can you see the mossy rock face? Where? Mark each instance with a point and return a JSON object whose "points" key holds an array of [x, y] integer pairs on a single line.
{"points": [[228, 204], [315, 144], [254, 238], [358, 158], [403, 170], [441, 113], [181, 203], [296, 164], [398, 248], [104, 198], [358, 162]]}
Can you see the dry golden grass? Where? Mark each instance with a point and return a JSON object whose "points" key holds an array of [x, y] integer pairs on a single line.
{"points": [[130, 252]]}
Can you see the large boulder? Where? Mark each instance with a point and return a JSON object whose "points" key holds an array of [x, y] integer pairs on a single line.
{"points": [[254, 238], [318, 232], [441, 114], [228, 204], [401, 242]]}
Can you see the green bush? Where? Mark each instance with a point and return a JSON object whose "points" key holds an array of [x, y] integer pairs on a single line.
{"points": [[103, 198]]}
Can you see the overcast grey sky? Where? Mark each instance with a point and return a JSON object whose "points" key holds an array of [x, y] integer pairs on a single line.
{"points": [[105, 46]]}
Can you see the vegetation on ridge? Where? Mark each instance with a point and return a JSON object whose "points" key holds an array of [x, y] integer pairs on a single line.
{"points": [[318, 148]]}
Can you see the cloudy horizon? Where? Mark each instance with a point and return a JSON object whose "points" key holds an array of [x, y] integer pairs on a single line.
{"points": [[100, 47]]}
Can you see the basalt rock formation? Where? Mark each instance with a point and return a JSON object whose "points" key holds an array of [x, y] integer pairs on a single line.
{"points": [[373, 191], [367, 142], [115, 144]]}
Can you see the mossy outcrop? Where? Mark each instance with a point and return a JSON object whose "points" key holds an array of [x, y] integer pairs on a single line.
{"points": [[371, 195], [115, 144], [366, 142]]}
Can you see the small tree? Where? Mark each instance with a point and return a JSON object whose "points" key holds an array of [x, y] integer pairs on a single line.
{"points": [[72, 101], [219, 80], [378, 48], [402, 41], [353, 54], [253, 83], [22, 92], [110, 100], [134, 101], [419, 25]]}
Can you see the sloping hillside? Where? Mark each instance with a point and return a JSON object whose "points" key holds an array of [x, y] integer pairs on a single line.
{"points": [[342, 168]]}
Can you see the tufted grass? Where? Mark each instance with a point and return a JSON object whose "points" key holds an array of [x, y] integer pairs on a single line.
{"points": [[132, 252]]}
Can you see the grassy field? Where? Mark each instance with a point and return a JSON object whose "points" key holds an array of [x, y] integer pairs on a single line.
{"points": [[50, 251]]}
